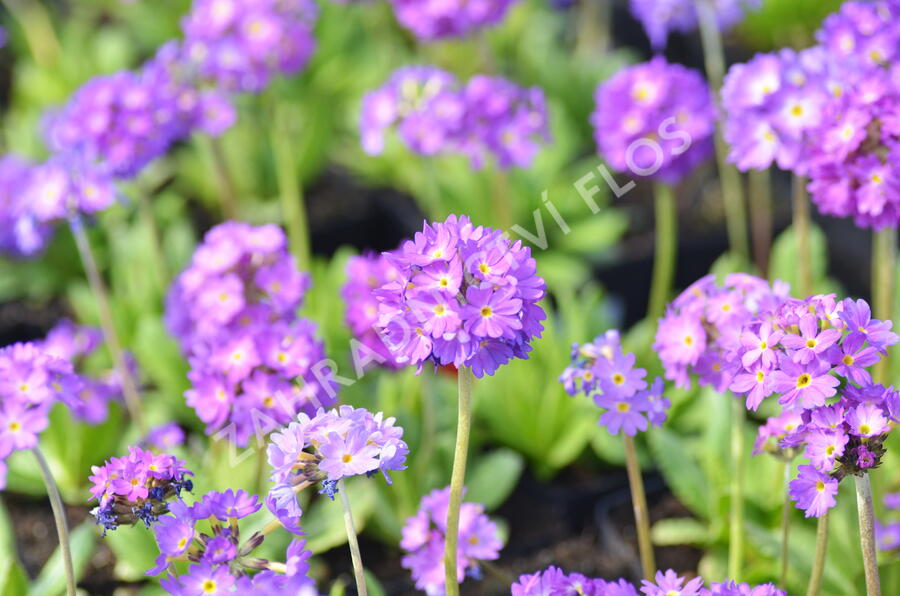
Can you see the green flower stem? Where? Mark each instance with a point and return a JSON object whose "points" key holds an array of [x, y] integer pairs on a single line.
{"points": [[501, 205], [815, 578], [227, 188], [351, 538], [732, 189], [639, 503], [593, 29], [293, 207], [666, 250], [736, 535], [884, 266], [59, 516], [867, 534], [458, 478], [110, 335], [785, 525], [801, 235], [761, 217]]}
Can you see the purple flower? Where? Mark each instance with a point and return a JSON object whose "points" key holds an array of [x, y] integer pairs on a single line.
{"points": [[424, 540], [659, 17], [348, 456], [813, 491], [364, 274], [867, 420], [136, 487], [241, 44], [654, 120], [824, 447], [22, 234], [431, 20], [433, 114], [496, 302], [811, 342], [669, 584], [806, 386], [230, 504]]}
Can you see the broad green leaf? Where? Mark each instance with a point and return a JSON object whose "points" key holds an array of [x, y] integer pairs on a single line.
{"points": [[682, 473], [135, 550], [51, 581], [493, 477]]}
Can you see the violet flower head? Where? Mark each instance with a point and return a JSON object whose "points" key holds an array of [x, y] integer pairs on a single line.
{"points": [[431, 20], [604, 372], [22, 233], [465, 296], [241, 45], [221, 560], [660, 17], [887, 534], [326, 448], [254, 362], [654, 120], [137, 487], [773, 107], [424, 540], [434, 114], [853, 153], [164, 437], [366, 273], [702, 334], [66, 186], [813, 491]]}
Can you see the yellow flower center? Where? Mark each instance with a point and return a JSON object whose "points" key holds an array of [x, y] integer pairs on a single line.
{"points": [[688, 340], [763, 346], [820, 486], [182, 543], [347, 458], [848, 360], [811, 343], [473, 540], [209, 586], [268, 401], [588, 375], [865, 429], [444, 282], [829, 450], [440, 309], [618, 378], [876, 179], [797, 110], [484, 268], [437, 254], [760, 376], [486, 311], [803, 381], [623, 406], [14, 426]]}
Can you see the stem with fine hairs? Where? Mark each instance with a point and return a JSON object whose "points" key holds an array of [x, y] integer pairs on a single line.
{"points": [[867, 534], [458, 478]]}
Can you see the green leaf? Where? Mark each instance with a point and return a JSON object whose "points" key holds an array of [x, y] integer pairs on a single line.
{"points": [[13, 581], [679, 530], [784, 259], [135, 550], [680, 470], [52, 579], [339, 588], [373, 585], [493, 477], [323, 522]]}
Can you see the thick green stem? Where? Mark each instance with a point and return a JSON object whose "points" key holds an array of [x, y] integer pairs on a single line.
{"points": [[107, 326], [867, 534], [351, 538], [293, 208], [736, 534], [801, 235], [458, 478], [785, 525], [593, 28], [666, 250], [641, 512], [500, 198], [227, 188], [730, 179], [815, 578], [884, 266], [59, 516], [761, 218]]}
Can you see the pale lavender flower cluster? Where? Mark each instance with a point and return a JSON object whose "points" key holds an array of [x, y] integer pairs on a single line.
{"points": [[366, 273], [221, 561], [553, 581], [431, 20], [855, 153], [888, 534], [700, 333], [654, 120], [241, 44], [136, 487], [254, 362], [464, 295], [120, 122], [809, 352], [434, 114], [603, 371], [328, 447], [774, 105], [425, 537], [660, 17], [22, 233]]}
